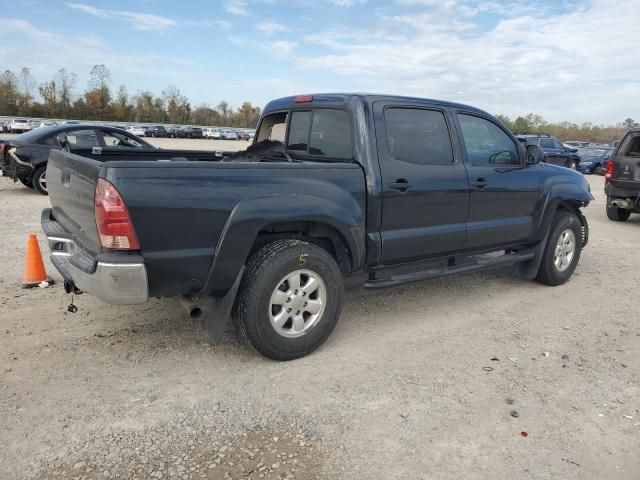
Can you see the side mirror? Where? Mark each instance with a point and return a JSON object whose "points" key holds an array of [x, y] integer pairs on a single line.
{"points": [[534, 154]]}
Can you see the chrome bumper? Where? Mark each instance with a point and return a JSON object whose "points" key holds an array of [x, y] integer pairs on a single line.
{"points": [[114, 282]]}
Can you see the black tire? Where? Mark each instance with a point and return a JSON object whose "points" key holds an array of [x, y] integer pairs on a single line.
{"points": [[26, 181], [549, 273], [265, 269], [39, 175], [616, 214]]}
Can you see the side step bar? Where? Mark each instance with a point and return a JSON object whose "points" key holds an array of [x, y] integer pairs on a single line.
{"points": [[479, 263]]}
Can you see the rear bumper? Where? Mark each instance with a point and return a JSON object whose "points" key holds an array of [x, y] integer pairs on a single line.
{"points": [[11, 166], [114, 278]]}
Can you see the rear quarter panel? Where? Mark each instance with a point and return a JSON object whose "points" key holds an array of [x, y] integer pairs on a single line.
{"points": [[182, 210]]}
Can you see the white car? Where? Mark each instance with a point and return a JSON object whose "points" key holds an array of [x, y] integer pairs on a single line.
{"points": [[228, 135], [19, 125], [136, 130], [211, 133]]}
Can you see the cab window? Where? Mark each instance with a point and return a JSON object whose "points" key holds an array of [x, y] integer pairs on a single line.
{"points": [[322, 132]]}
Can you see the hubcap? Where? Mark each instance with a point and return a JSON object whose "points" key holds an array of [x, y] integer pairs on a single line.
{"points": [[43, 181], [565, 250], [297, 303]]}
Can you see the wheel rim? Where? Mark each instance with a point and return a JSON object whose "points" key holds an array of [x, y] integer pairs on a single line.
{"points": [[297, 303], [42, 181], [565, 250]]}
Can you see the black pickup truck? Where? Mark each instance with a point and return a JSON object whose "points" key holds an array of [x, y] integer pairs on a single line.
{"points": [[622, 178], [336, 189]]}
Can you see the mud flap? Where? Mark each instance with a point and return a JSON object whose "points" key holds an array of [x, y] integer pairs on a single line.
{"points": [[529, 269], [218, 312]]}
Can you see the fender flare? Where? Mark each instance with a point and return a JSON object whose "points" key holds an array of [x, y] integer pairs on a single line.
{"points": [[250, 216]]}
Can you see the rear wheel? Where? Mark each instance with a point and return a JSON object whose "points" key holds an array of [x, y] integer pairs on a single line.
{"points": [[290, 299], [40, 180], [562, 252], [616, 214]]}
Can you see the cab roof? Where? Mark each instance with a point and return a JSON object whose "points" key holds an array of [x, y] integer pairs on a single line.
{"points": [[340, 99]]}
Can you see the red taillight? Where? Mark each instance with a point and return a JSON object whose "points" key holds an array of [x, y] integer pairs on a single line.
{"points": [[112, 218], [303, 99], [609, 173], [2, 147]]}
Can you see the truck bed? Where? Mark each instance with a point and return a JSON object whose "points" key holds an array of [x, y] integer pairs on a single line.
{"points": [[180, 208]]}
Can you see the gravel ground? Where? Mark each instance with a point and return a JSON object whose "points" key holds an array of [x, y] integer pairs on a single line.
{"points": [[440, 380]]}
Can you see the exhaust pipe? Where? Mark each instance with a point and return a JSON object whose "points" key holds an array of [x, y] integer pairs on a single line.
{"points": [[622, 203], [191, 305]]}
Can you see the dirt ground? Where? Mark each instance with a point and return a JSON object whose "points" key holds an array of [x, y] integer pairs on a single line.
{"points": [[416, 382]]}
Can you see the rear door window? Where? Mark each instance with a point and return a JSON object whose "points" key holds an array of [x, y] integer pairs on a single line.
{"points": [[546, 143], [418, 136], [117, 139], [82, 138]]}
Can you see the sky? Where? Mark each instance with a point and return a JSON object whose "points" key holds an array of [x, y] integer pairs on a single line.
{"points": [[574, 60]]}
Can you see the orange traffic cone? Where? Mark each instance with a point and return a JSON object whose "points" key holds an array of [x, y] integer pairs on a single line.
{"points": [[34, 272]]}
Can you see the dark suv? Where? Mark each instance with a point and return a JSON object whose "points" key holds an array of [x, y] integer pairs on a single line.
{"points": [[157, 131], [189, 132], [623, 178], [554, 151]]}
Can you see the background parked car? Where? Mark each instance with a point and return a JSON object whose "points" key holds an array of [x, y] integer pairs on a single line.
{"points": [[19, 125], [189, 132], [172, 132], [211, 133], [554, 151], [136, 130], [33, 149], [592, 159], [157, 131], [242, 134], [227, 134]]}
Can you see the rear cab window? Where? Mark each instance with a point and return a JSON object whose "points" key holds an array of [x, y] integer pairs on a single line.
{"points": [[316, 132]]}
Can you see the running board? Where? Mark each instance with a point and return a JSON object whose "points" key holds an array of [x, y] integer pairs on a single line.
{"points": [[479, 263]]}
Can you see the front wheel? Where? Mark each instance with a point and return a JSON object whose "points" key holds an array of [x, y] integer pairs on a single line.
{"points": [[563, 249], [290, 299]]}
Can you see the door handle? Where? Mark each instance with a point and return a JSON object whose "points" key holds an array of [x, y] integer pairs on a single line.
{"points": [[400, 184], [480, 184]]}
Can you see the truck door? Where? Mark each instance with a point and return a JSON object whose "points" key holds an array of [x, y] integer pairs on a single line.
{"points": [[425, 187], [504, 191]]}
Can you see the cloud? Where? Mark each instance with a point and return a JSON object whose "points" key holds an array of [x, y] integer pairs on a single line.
{"points": [[237, 7], [346, 3], [269, 28], [224, 24], [539, 62], [140, 21], [280, 49]]}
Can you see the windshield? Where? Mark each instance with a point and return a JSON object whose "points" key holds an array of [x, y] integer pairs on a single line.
{"points": [[592, 152]]}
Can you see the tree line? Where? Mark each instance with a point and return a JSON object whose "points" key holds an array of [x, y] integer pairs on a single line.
{"points": [[586, 132], [21, 95]]}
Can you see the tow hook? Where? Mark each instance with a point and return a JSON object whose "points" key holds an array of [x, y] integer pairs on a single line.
{"points": [[69, 287]]}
